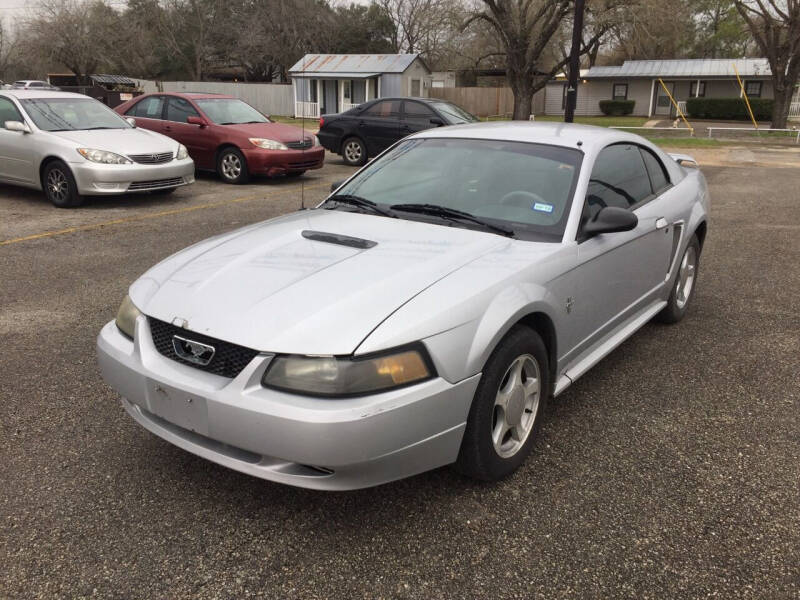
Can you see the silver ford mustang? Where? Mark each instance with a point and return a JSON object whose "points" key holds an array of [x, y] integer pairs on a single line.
{"points": [[421, 315], [71, 146]]}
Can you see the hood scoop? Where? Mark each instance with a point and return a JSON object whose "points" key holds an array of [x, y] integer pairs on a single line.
{"points": [[338, 239]]}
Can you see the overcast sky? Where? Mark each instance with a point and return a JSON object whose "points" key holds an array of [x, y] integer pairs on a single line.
{"points": [[13, 9]]}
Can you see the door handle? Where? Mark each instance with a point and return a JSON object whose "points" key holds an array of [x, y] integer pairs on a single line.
{"points": [[661, 223]]}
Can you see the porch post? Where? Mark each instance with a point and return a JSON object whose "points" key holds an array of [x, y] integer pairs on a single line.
{"points": [[341, 95], [378, 95], [319, 97], [294, 93], [366, 90], [652, 91], [697, 90]]}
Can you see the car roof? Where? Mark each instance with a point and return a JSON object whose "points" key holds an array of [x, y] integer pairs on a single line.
{"points": [[34, 93], [569, 135], [192, 95]]}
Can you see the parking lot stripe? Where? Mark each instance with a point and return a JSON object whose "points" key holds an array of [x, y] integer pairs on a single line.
{"points": [[163, 213]]}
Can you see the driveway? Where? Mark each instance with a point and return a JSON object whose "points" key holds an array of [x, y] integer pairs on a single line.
{"points": [[671, 470]]}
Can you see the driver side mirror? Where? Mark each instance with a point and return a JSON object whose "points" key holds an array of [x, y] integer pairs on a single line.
{"points": [[196, 121], [17, 126], [437, 122], [611, 219]]}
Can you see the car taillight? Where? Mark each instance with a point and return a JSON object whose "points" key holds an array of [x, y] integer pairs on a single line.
{"points": [[321, 122]]}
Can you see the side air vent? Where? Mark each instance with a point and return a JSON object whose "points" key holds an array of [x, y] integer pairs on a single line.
{"points": [[341, 240]]}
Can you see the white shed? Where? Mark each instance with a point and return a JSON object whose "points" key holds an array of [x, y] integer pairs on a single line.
{"points": [[331, 83]]}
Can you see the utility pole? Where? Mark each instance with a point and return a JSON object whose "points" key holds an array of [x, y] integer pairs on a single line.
{"points": [[574, 63]]}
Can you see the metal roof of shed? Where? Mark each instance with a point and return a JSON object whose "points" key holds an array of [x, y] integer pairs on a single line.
{"points": [[347, 64], [105, 78], [699, 67]]}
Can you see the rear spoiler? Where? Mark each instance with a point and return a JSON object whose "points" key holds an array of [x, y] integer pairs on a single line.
{"points": [[684, 159]]}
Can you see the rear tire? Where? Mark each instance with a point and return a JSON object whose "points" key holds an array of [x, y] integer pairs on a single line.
{"points": [[59, 185], [354, 152], [232, 166], [506, 412], [685, 284]]}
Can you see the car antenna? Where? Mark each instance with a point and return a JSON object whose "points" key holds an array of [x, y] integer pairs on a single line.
{"points": [[303, 138]]}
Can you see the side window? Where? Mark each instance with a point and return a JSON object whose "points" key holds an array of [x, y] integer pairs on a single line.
{"points": [[179, 110], [384, 109], [8, 112], [620, 91], [148, 108], [656, 170], [619, 178], [417, 111]]}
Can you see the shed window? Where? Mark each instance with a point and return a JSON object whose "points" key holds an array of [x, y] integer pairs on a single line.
{"points": [[693, 90], [620, 91], [753, 89]]}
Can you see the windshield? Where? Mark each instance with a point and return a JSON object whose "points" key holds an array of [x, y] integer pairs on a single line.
{"points": [[230, 111], [521, 186], [72, 114], [455, 114]]}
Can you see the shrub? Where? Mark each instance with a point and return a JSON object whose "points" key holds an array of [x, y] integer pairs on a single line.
{"points": [[729, 108], [617, 108]]}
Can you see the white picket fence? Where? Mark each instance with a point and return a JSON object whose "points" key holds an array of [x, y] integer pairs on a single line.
{"points": [[306, 109], [794, 110], [269, 98]]}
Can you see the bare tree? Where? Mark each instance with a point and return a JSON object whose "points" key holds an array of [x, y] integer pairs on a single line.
{"points": [[418, 25], [8, 50], [524, 29], [188, 29], [776, 28], [72, 33]]}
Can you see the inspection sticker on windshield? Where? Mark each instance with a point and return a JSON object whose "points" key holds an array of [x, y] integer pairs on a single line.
{"points": [[542, 207]]}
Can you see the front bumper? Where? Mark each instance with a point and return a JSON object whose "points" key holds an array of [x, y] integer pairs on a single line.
{"points": [[94, 179], [278, 162], [308, 442]]}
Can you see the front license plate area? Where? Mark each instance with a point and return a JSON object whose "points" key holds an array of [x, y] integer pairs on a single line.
{"points": [[178, 407]]}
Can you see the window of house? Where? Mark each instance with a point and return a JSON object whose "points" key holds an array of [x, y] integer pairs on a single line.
{"points": [[564, 96], [416, 88], [619, 178], [179, 110], [620, 91], [693, 90], [753, 89], [348, 90]]}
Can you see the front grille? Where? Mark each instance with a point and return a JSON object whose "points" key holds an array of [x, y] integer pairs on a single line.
{"points": [[299, 145], [151, 159], [155, 184], [228, 361], [306, 164]]}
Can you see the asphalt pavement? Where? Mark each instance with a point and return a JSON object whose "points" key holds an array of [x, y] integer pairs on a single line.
{"points": [[670, 470]]}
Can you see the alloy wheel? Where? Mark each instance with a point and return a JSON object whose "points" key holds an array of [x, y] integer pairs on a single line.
{"points": [[516, 405], [57, 186], [686, 277], [352, 151], [231, 166]]}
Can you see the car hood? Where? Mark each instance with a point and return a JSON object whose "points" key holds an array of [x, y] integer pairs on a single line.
{"points": [[270, 288], [121, 141], [272, 131]]}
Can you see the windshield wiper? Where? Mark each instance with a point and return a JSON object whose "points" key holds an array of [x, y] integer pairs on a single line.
{"points": [[452, 214], [360, 202], [101, 127]]}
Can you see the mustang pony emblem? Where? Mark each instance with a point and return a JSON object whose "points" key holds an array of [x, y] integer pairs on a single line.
{"points": [[194, 352]]}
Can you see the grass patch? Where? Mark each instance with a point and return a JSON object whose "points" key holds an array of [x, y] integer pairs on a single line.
{"points": [[598, 121], [686, 142], [312, 124]]}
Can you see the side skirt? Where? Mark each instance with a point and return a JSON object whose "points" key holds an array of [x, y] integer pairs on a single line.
{"points": [[606, 345]]}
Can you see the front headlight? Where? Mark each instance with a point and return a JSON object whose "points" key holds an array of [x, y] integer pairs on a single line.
{"points": [[268, 144], [335, 376], [316, 140], [104, 157], [183, 153], [126, 317]]}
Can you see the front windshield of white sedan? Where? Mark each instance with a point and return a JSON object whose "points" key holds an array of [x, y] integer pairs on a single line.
{"points": [[229, 111], [72, 114], [521, 186]]}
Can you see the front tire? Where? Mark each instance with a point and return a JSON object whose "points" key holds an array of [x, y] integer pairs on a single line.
{"points": [[59, 185], [506, 412], [354, 152], [684, 286], [232, 166]]}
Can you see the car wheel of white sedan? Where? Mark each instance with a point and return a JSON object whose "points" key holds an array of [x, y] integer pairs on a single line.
{"points": [[506, 410], [685, 284], [59, 185]]}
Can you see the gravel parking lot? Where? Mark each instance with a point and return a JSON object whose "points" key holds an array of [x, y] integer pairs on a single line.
{"points": [[672, 470]]}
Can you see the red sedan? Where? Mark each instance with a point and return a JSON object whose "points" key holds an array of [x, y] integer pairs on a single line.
{"points": [[227, 135]]}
